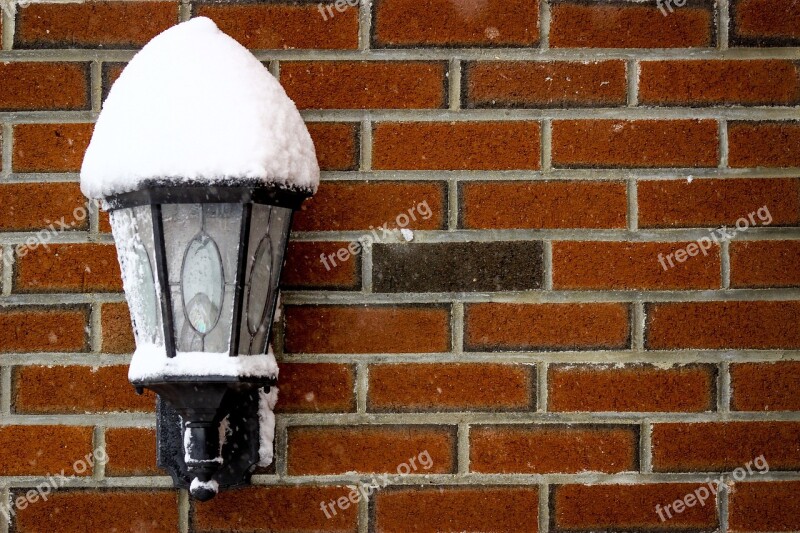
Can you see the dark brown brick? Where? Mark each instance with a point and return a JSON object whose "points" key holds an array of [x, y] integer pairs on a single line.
{"points": [[365, 84], [115, 322], [336, 143], [305, 267], [765, 23], [497, 326], [625, 25], [131, 452], [283, 25], [458, 509], [457, 267], [773, 386], [764, 144], [451, 387], [765, 263], [93, 24], [50, 147], [632, 388], [715, 325], [44, 450], [33, 206], [723, 446], [354, 205], [406, 23], [751, 82], [43, 329], [456, 146], [367, 329], [552, 449], [44, 86], [76, 390], [543, 204], [68, 268], [718, 202], [316, 388], [635, 143], [371, 449], [635, 265], [545, 84], [764, 506]]}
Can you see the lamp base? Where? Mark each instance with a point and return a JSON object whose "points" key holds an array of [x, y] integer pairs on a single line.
{"points": [[240, 451]]}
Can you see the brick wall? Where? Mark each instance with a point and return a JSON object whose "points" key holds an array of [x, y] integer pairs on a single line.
{"points": [[531, 338]]}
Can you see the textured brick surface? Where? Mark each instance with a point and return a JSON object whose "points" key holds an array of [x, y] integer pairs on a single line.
{"points": [[365, 84], [34, 206], [316, 388], [723, 446], [766, 144], [456, 387], [370, 449], [538, 84], [762, 325], [543, 205], [622, 25], [123, 510], [306, 269], [367, 329], [457, 267], [77, 389], [718, 202], [635, 143], [131, 452], [765, 507], [765, 264], [765, 22], [115, 322], [50, 147], [407, 23], [631, 388], [765, 386], [39, 86], [491, 326], [336, 145], [625, 265], [93, 24], [552, 449], [456, 146], [43, 329], [283, 25], [458, 509], [68, 268], [43, 450]]}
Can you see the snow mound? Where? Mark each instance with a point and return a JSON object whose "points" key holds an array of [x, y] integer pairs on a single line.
{"points": [[195, 106]]}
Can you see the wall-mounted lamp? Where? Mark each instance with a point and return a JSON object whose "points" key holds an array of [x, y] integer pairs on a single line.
{"points": [[201, 159]]}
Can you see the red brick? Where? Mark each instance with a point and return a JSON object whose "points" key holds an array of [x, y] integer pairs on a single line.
{"points": [[283, 25], [496, 326], [121, 510], [367, 329], [115, 322], [371, 449], [634, 265], [358, 205], [131, 452], [543, 204], [773, 386], [110, 73], [764, 144], [717, 202], [723, 446], [43, 329], [458, 509], [625, 25], [43, 450], [365, 84], [33, 206], [765, 264], [553, 449], [76, 390], [336, 144], [765, 22], [635, 143], [281, 509], [44, 86], [50, 147], [316, 388], [752, 82], [541, 84], [628, 508], [456, 146], [632, 388], [451, 386], [68, 268], [764, 506], [714, 325], [104, 223], [441, 23], [304, 269], [93, 24]]}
